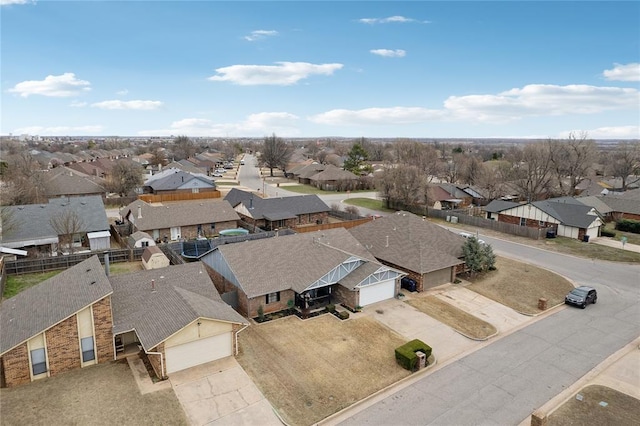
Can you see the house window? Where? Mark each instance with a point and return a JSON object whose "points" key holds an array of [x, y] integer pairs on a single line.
{"points": [[145, 244], [38, 361], [523, 221], [541, 223], [199, 230], [273, 297], [88, 353], [213, 226]]}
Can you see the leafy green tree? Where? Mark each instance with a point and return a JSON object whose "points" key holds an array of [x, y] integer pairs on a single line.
{"points": [[275, 153], [355, 159], [478, 257]]}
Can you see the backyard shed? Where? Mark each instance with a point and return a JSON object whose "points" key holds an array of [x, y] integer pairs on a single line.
{"points": [[154, 258]]}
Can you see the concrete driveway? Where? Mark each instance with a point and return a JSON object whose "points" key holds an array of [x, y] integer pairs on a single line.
{"points": [[221, 393]]}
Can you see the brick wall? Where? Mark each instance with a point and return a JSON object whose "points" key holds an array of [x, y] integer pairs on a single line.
{"points": [[418, 278], [313, 218], [15, 365], [63, 348], [155, 362], [103, 329], [221, 283], [345, 296], [253, 304]]}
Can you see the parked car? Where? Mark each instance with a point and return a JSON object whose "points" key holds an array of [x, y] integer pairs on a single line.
{"points": [[220, 171], [581, 296], [216, 174], [408, 283]]}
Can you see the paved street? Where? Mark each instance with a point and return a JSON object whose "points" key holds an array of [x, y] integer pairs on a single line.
{"points": [[504, 382]]}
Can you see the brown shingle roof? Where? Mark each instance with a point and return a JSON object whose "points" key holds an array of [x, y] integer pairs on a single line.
{"points": [[333, 173]]}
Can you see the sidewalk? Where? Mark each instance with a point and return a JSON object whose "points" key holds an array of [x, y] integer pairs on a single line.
{"points": [[604, 241]]}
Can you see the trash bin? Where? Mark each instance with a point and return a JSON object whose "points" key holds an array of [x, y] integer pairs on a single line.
{"points": [[551, 234], [585, 238]]}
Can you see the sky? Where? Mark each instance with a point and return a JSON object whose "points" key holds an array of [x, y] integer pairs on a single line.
{"points": [[374, 69]]}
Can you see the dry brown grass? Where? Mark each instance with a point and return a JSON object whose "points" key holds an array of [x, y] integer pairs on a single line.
{"points": [[519, 286], [311, 369], [621, 409], [104, 394], [461, 321]]}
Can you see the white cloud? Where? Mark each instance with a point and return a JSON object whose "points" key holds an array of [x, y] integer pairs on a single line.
{"points": [[59, 130], [388, 53], [61, 86], [628, 72], [390, 19], [122, 92], [78, 104], [394, 115], [282, 74], [9, 2], [616, 132], [541, 100], [260, 34], [260, 124], [130, 105]]}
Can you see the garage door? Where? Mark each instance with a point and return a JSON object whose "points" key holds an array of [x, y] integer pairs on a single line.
{"points": [[376, 292], [198, 352]]}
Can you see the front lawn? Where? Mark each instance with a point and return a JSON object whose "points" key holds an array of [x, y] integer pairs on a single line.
{"points": [[311, 369], [104, 394], [520, 285], [591, 250], [368, 203], [597, 405], [631, 237], [461, 321]]}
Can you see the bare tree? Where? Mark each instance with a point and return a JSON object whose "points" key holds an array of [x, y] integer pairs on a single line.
{"points": [[183, 147], [8, 223], [125, 177], [25, 180], [405, 185], [275, 153], [571, 159], [625, 162], [158, 156], [67, 224], [532, 176]]}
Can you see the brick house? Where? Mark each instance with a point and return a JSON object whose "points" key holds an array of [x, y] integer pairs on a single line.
{"points": [[424, 251], [625, 205], [72, 328], [308, 270], [174, 181], [278, 213], [180, 220]]}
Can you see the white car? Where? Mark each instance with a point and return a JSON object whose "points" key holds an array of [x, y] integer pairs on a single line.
{"points": [[468, 235]]}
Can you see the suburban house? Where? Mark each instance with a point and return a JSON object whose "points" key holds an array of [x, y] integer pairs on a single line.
{"points": [[456, 197], [50, 228], [277, 213], [625, 205], [493, 209], [72, 328], [303, 172], [177, 181], [174, 315], [154, 258], [333, 178], [426, 252], [308, 271], [140, 239], [66, 182], [567, 216], [184, 220]]}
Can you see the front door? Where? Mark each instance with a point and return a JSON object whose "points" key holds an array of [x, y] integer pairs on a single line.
{"points": [[175, 233]]}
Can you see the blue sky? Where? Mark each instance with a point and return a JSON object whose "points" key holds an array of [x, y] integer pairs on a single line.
{"points": [[311, 69]]}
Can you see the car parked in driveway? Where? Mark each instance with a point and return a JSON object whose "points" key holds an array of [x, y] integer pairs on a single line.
{"points": [[581, 296], [408, 283]]}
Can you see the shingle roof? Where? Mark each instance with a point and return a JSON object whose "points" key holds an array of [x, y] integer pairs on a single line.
{"points": [[596, 203], [71, 182], [179, 214], [496, 206], [623, 204], [309, 170], [150, 251], [410, 242], [277, 208], [181, 294], [290, 262], [333, 173], [177, 179], [33, 220], [42, 306], [567, 210]]}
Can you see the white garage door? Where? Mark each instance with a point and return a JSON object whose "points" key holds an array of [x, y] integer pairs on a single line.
{"points": [[376, 292], [198, 352]]}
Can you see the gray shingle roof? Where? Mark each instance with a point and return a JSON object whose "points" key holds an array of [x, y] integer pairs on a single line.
{"points": [[42, 306], [496, 206], [277, 208], [33, 220], [567, 210], [333, 173], [290, 262], [177, 179], [179, 214], [619, 203], [181, 295], [65, 181], [596, 203], [410, 242]]}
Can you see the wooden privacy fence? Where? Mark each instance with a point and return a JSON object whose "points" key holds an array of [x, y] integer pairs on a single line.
{"points": [[45, 264], [179, 196]]}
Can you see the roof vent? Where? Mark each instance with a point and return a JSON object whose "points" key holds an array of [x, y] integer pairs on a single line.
{"points": [[88, 269], [92, 283]]}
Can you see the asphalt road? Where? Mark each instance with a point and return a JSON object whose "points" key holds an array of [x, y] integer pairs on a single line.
{"points": [[503, 383]]}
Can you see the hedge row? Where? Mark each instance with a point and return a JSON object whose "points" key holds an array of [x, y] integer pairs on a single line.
{"points": [[628, 225], [606, 233], [406, 354]]}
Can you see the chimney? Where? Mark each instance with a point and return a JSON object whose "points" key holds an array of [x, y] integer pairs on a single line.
{"points": [[106, 264], [139, 211], [251, 202], [153, 285]]}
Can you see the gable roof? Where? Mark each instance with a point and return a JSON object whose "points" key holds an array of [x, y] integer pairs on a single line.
{"points": [[309, 170], [410, 242], [65, 181], [177, 179], [180, 295], [40, 307], [333, 173], [568, 210], [178, 214], [33, 225], [496, 206], [290, 262], [276, 208], [626, 202], [150, 251], [596, 203]]}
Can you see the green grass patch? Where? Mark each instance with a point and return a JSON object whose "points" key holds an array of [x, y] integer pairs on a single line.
{"points": [[17, 283], [368, 203], [631, 237], [306, 189]]}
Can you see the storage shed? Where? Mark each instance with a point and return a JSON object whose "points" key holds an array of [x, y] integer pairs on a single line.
{"points": [[140, 239], [154, 258]]}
